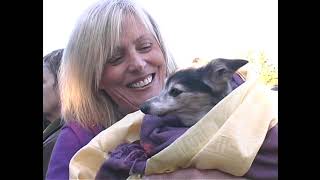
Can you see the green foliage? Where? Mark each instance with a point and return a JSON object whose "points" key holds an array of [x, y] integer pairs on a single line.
{"points": [[268, 71]]}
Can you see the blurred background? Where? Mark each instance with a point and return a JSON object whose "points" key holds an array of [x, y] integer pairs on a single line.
{"points": [[194, 30]]}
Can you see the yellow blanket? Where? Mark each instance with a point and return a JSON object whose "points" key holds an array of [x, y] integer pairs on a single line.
{"points": [[227, 138]]}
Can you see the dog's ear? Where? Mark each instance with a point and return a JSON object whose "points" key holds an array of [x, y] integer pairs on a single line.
{"points": [[220, 71]]}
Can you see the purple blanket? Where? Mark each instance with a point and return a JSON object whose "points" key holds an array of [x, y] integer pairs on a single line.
{"points": [[158, 133]]}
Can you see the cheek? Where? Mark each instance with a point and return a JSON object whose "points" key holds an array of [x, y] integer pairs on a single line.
{"points": [[111, 76], [47, 93], [162, 68], [50, 98], [157, 57], [157, 60]]}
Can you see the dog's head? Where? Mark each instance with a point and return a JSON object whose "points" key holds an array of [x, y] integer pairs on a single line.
{"points": [[189, 94]]}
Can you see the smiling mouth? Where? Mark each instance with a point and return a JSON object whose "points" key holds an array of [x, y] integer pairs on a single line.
{"points": [[143, 83]]}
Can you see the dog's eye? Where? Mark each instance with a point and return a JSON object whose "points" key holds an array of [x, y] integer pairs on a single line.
{"points": [[175, 92]]}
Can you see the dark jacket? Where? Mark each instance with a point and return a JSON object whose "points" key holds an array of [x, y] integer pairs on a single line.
{"points": [[50, 135]]}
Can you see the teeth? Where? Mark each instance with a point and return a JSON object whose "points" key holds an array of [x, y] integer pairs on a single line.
{"points": [[141, 83]]}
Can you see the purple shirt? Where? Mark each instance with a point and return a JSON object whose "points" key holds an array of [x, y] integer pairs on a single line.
{"points": [[71, 138]]}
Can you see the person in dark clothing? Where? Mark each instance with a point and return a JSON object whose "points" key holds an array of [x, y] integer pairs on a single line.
{"points": [[52, 121]]}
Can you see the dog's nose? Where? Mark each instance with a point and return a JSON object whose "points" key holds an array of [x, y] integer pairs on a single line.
{"points": [[145, 108]]}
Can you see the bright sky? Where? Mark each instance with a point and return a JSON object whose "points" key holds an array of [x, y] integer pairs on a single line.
{"points": [[192, 28]]}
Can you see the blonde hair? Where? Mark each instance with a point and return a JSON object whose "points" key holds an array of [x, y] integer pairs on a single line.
{"points": [[90, 45]]}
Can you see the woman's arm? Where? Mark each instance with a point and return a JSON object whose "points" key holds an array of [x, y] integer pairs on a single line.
{"points": [[66, 146]]}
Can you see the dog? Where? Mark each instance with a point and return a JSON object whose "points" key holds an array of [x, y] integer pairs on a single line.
{"points": [[191, 93]]}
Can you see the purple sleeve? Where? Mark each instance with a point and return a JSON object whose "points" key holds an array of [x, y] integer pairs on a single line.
{"points": [[71, 138], [66, 146]]}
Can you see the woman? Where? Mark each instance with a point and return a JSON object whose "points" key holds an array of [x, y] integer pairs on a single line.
{"points": [[115, 60]]}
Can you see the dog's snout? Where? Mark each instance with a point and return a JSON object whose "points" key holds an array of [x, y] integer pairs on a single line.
{"points": [[145, 108]]}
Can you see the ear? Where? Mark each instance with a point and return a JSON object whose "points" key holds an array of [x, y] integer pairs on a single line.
{"points": [[218, 72], [221, 70]]}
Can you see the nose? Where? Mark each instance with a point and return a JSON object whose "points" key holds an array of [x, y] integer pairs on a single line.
{"points": [[137, 63], [145, 108]]}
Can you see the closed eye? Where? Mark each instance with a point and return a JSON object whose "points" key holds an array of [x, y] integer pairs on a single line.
{"points": [[115, 60], [174, 92], [146, 47]]}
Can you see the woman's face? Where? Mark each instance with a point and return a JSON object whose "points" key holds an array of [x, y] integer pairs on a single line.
{"points": [[137, 70], [50, 93]]}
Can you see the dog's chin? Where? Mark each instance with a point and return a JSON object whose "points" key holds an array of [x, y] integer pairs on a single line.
{"points": [[186, 120], [162, 114], [156, 114]]}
